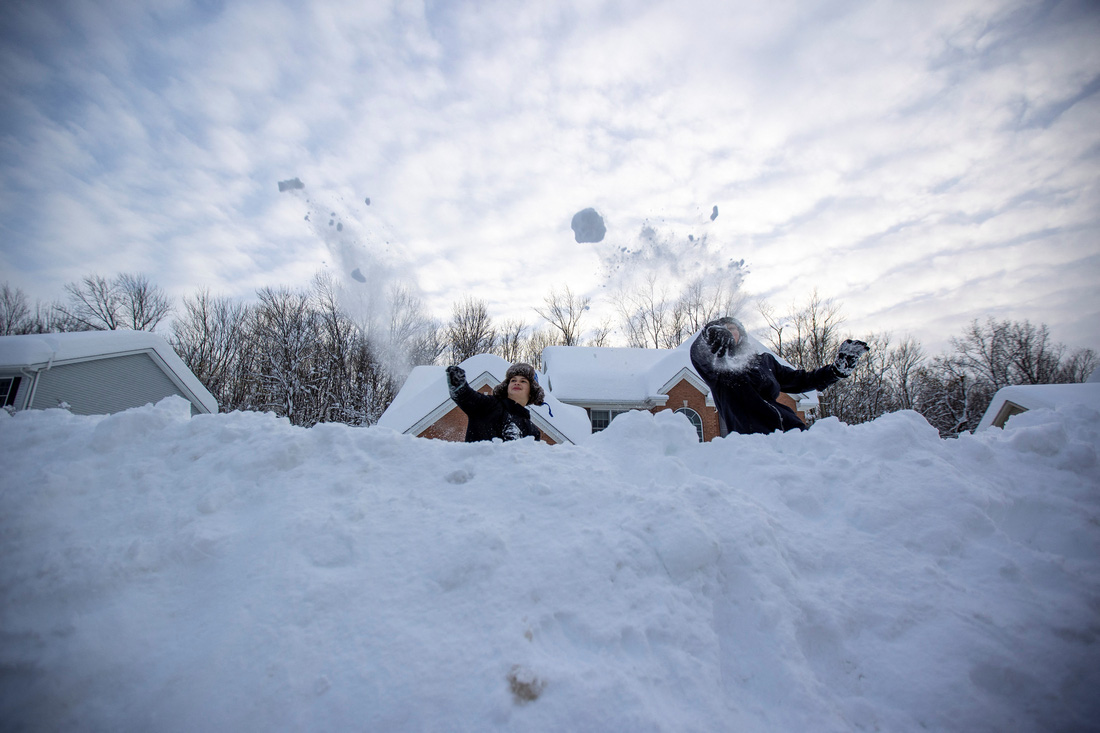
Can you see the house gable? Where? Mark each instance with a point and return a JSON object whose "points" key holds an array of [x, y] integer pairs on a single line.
{"points": [[686, 394], [448, 421], [98, 372], [423, 407]]}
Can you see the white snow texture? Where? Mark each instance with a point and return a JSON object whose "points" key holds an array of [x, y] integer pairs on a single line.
{"points": [[234, 573]]}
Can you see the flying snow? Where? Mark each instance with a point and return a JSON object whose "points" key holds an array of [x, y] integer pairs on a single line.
{"points": [[671, 257], [588, 226]]}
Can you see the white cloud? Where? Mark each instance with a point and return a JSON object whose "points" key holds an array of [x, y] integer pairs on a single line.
{"points": [[846, 145]]}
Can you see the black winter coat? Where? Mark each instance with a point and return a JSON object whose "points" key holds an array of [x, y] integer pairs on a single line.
{"points": [[745, 391], [493, 417]]}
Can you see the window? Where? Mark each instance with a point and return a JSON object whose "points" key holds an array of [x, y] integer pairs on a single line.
{"points": [[8, 389], [602, 418], [695, 420]]}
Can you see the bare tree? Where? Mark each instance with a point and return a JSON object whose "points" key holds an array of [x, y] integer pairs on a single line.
{"points": [[471, 330], [509, 345], [808, 336], [564, 312], [412, 332], [285, 332], [602, 333], [15, 315], [335, 399], [211, 338], [954, 391], [142, 305], [535, 343], [705, 299], [646, 315], [1078, 366], [905, 361], [868, 392], [128, 301], [94, 304]]}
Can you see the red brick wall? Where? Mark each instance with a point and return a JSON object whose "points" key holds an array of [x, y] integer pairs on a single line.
{"points": [[786, 399], [697, 401]]}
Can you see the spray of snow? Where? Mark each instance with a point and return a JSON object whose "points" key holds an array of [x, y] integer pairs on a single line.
{"points": [[232, 572], [674, 254], [368, 264]]}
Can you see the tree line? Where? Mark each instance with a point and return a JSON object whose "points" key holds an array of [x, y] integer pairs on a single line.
{"points": [[302, 355], [951, 391]]}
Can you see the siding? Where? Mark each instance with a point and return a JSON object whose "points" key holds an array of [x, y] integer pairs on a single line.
{"points": [[103, 386]]}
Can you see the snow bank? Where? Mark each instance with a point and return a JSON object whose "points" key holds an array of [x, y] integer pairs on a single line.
{"points": [[232, 572]]}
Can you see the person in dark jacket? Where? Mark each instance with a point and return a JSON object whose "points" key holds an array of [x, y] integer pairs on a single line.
{"points": [[502, 414], [745, 385]]}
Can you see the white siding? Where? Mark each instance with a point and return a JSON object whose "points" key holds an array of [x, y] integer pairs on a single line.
{"points": [[103, 386]]}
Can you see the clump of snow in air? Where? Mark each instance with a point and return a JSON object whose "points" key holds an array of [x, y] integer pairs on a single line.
{"points": [[588, 226], [232, 572], [667, 255], [291, 184], [714, 213]]}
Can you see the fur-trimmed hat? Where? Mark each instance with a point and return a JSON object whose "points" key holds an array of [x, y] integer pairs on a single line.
{"points": [[527, 372]]}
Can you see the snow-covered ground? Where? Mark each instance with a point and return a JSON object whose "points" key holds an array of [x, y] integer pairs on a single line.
{"points": [[233, 573]]}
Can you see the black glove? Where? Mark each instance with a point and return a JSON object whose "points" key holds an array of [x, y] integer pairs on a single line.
{"points": [[847, 356], [720, 340], [456, 377]]}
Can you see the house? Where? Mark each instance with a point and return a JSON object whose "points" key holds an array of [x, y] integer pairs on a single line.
{"points": [[424, 407], [1009, 401], [95, 372], [609, 381], [587, 388]]}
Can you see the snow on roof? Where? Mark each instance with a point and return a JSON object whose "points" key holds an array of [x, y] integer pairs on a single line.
{"points": [[602, 375], [424, 398], [1012, 400], [37, 351]]}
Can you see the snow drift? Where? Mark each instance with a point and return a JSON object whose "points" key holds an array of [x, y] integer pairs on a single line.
{"points": [[232, 572]]}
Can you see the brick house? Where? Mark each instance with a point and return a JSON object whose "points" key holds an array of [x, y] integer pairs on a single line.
{"points": [[609, 381], [424, 407], [586, 387]]}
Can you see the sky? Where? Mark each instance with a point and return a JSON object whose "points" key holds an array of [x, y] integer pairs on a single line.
{"points": [[231, 572], [923, 164]]}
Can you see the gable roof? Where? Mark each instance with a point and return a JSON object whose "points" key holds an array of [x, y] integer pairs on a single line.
{"points": [[1009, 401], [42, 351], [589, 375], [424, 399]]}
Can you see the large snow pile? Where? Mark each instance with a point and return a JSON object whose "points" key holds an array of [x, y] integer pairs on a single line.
{"points": [[231, 572]]}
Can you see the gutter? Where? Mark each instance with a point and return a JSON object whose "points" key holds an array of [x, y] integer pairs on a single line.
{"points": [[647, 403], [32, 375]]}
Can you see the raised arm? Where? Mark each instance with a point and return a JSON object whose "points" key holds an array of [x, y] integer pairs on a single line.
{"points": [[797, 380], [708, 350], [466, 397]]}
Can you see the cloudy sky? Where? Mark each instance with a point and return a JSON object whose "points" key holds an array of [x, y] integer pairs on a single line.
{"points": [[924, 163]]}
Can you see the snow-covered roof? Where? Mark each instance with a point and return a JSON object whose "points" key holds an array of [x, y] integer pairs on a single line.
{"points": [[38, 351], [424, 399], [627, 376], [1009, 401]]}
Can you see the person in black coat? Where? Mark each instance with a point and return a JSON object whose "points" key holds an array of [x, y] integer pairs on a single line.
{"points": [[502, 414], [745, 385]]}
